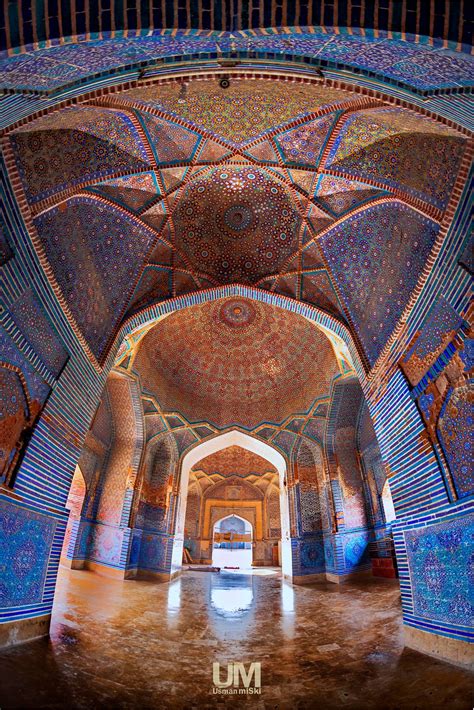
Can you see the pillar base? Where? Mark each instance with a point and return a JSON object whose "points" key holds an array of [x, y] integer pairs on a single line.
{"points": [[308, 578], [74, 564], [341, 578], [150, 576], [15, 632], [103, 570], [445, 649]]}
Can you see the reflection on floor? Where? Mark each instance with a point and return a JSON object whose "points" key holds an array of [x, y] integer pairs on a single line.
{"points": [[141, 645]]}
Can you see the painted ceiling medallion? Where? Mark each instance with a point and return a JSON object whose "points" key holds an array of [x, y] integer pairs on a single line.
{"points": [[238, 217], [328, 211], [237, 313]]}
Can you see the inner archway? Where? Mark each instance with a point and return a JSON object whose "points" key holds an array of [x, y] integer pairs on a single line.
{"points": [[233, 483], [232, 543], [212, 446]]}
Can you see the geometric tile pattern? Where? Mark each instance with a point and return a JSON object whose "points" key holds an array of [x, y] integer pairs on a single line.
{"points": [[249, 184], [438, 330], [376, 258], [244, 112], [234, 460], [134, 192], [25, 543], [75, 146], [14, 416], [104, 253], [236, 224], [416, 65], [342, 451], [387, 145], [456, 433], [339, 195], [22, 395], [156, 485], [37, 388], [310, 470], [356, 550], [121, 452], [440, 558], [235, 361], [302, 146], [31, 319]]}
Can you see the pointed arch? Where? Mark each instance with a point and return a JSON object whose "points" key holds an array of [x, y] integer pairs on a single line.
{"points": [[211, 446]]}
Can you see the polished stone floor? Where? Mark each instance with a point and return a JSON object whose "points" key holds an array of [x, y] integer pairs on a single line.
{"points": [[137, 644]]}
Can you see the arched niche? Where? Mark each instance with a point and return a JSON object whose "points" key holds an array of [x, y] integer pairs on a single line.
{"points": [[244, 527]]}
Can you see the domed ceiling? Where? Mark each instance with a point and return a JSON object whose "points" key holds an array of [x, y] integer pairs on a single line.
{"points": [[235, 361], [302, 189], [232, 466], [233, 223]]}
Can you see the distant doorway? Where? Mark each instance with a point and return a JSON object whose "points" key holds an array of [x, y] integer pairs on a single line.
{"points": [[232, 543]]}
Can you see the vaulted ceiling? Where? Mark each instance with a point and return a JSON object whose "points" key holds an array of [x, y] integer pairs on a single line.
{"points": [[231, 466], [234, 461], [303, 190], [235, 362]]}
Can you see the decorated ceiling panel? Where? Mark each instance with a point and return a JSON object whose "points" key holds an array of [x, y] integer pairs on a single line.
{"points": [[250, 110], [376, 257], [415, 61], [302, 146], [339, 195], [305, 190], [97, 254], [317, 288], [234, 461], [76, 145], [235, 361], [137, 193], [390, 146], [237, 224], [170, 142]]}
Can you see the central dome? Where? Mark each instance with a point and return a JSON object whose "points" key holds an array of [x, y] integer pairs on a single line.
{"points": [[236, 223], [235, 361]]}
